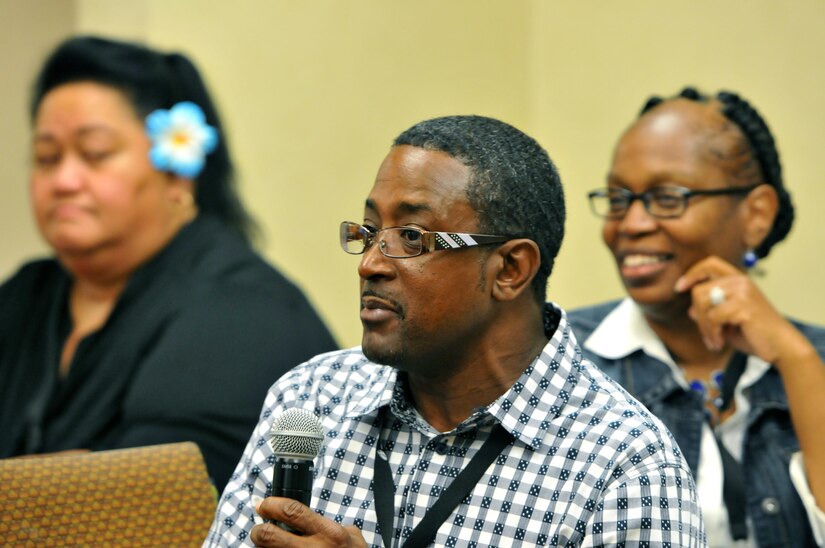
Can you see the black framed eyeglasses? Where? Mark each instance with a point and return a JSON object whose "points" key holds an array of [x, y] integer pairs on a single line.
{"points": [[664, 202], [401, 242]]}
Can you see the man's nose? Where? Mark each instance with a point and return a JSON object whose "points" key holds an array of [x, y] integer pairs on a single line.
{"points": [[374, 263]]}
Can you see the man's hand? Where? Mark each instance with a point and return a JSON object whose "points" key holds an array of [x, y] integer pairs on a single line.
{"points": [[315, 529]]}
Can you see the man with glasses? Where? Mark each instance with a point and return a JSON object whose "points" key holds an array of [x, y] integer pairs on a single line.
{"points": [[467, 416]]}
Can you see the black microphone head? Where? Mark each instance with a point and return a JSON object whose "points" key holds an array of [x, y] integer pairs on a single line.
{"points": [[296, 433]]}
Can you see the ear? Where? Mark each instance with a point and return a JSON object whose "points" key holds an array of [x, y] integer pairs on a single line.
{"points": [[181, 190], [760, 208], [515, 265]]}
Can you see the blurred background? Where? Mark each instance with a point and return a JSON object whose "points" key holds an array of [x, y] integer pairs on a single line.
{"points": [[313, 92]]}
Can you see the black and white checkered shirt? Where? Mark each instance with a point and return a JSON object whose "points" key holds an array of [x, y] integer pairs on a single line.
{"points": [[589, 465]]}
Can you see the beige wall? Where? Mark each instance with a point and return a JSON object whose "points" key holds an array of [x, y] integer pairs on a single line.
{"points": [[594, 68], [27, 33], [313, 92]]}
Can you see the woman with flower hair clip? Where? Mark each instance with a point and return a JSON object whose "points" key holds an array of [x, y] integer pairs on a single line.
{"points": [[155, 321], [694, 198]]}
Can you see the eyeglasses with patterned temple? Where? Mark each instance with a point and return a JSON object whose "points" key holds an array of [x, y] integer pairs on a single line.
{"points": [[664, 202], [401, 242]]}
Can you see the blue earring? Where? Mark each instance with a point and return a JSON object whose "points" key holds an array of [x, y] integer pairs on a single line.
{"points": [[749, 259]]}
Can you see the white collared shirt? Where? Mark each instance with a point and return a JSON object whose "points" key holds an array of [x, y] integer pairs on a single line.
{"points": [[625, 330]]}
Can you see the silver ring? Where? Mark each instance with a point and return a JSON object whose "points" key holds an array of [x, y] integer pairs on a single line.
{"points": [[717, 295]]}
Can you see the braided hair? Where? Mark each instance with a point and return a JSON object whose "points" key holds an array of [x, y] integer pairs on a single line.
{"points": [[762, 165], [514, 186]]}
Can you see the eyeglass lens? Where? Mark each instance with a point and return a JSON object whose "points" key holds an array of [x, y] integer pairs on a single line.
{"points": [[354, 238], [393, 242], [661, 202]]}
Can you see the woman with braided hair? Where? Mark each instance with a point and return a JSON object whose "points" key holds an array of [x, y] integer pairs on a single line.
{"points": [[694, 198]]}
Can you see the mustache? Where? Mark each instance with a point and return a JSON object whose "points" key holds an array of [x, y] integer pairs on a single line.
{"points": [[388, 301]]}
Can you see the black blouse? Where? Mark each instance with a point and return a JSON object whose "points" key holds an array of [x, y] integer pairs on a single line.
{"points": [[188, 352]]}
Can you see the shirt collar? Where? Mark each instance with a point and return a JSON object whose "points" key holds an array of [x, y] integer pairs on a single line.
{"points": [[544, 389], [523, 410], [378, 393], [624, 331]]}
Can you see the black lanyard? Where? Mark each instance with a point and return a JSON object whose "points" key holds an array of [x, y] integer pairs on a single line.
{"points": [[733, 493], [462, 485], [733, 486]]}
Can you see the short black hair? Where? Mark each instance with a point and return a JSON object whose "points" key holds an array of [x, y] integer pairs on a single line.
{"points": [[762, 166], [151, 80], [514, 186]]}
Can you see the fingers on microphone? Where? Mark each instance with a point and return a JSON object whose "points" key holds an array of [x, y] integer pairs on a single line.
{"points": [[282, 509], [268, 534], [293, 512], [304, 519], [264, 508], [300, 518]]}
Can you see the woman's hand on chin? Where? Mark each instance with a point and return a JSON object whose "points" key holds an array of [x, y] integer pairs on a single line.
{"points": [[730, 309]]}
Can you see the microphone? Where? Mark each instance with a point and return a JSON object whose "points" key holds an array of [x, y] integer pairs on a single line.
{"points": [[296, 437]]}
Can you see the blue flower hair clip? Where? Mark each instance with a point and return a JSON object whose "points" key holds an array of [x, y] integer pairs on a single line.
{"points": [[181, 139]]}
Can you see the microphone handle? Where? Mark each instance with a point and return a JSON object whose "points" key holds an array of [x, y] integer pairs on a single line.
{"points": [[292, 478]]}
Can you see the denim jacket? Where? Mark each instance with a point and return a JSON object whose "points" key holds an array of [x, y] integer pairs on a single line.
{"points": [[777, 514]]}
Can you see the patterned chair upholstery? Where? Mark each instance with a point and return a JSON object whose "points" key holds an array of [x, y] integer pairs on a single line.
{"points": [[145, 496]]}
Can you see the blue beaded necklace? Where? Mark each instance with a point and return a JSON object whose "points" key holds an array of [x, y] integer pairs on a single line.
{"points": [[724, 382], [702, 388]]}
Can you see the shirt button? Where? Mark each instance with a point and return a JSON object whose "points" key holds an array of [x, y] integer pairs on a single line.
{"points": [[770, 506], [441, 448]]}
